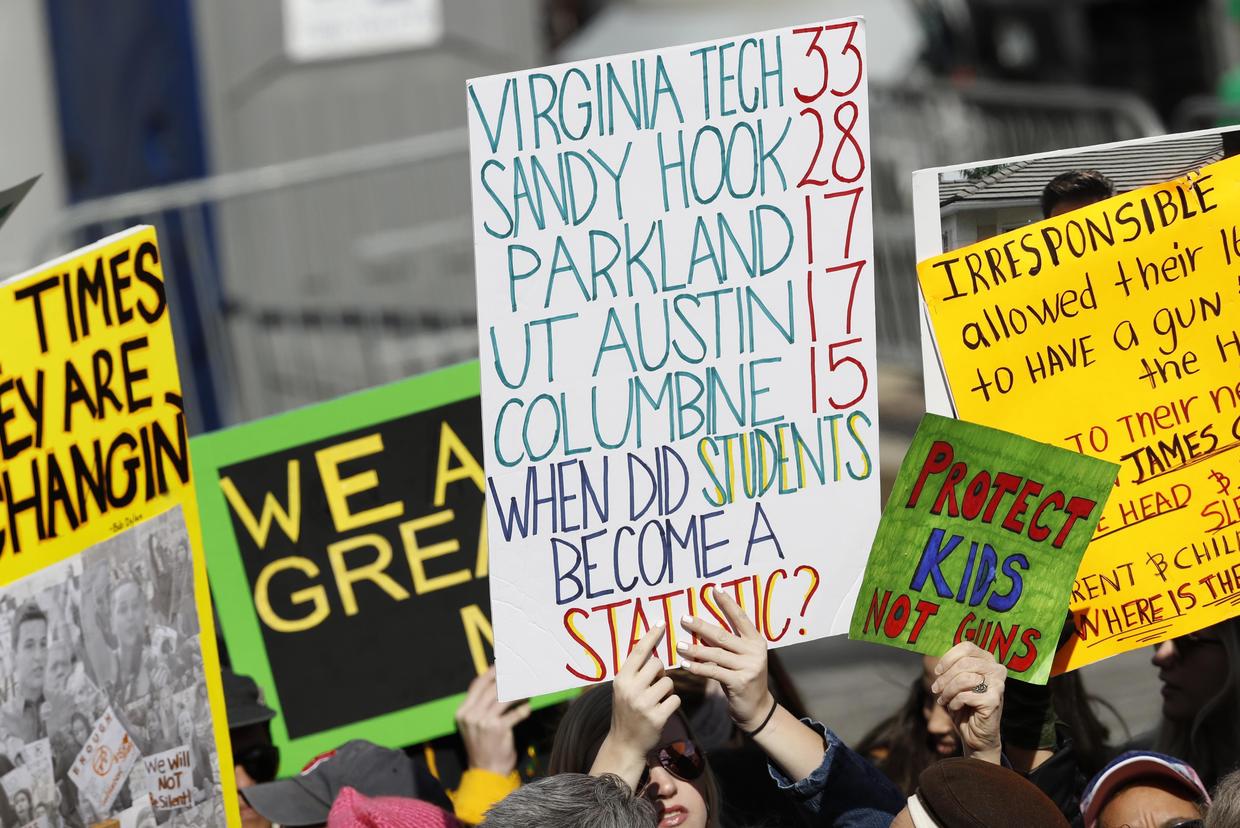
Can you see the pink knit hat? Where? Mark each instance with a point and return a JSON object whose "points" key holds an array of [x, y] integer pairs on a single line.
{"points": [[353, 810]]}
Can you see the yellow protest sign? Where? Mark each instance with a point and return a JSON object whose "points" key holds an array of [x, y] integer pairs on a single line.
{"points": [[101, 565], [1114, 330]]}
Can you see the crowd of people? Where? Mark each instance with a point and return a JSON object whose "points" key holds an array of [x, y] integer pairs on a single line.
{"points": [[724, 742]]}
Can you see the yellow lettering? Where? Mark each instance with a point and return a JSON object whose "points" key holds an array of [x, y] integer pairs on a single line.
{"points": [[290, 520], [419, 555], [450, 445], [315, 595], [373, 572], [477, 627], [338, 489]]}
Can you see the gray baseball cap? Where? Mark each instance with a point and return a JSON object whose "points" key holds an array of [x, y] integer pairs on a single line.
{"points": [[306, 799], [243, 701]]}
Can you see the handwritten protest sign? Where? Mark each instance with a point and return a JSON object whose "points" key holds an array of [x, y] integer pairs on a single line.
{"points": [[104, 762], [1112, 331], [334, 525], [170, 778], [36, 758], [675, 299], [980, 541], [99, 536]]}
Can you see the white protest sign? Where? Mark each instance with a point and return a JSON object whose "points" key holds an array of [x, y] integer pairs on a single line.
{"points": [[674, 256], [170, 778], [37, 758], [104, 762]]}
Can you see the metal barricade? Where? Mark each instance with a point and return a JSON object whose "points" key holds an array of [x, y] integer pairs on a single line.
{"points": [[308, 279]]}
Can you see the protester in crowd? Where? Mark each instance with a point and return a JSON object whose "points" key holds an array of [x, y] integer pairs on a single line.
{"points": [[136, 670], [255, 758], [1224, 810], [573, 800], [486, 727], [1142, 788], [24, 717], [648, 744], [970, 793], [1200, 675], [920, 733], [188, 738], [23, 806], [1073, 190], [738, 765], [354, 810], [370, 770]]}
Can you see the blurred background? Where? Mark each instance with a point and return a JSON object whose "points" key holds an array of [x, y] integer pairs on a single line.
{"points": [[305, 163]]}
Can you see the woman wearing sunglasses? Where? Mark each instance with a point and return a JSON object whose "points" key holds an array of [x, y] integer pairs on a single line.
{"points": [[1200, 675], [633, 728]]}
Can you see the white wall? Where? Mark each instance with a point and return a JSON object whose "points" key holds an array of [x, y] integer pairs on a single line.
{"points": [[30, 141]]}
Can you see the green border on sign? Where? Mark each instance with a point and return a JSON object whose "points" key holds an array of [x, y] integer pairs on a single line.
{"points": [[230, 589]]}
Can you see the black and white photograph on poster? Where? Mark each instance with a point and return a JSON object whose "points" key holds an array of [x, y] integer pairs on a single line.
{"points": [[959, 205], [103, 705]]}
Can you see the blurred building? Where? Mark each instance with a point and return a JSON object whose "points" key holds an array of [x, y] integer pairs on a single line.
{"points": [[305, 161]]}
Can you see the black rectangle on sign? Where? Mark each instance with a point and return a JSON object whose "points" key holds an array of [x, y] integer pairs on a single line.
{"points": [[346, 639]]}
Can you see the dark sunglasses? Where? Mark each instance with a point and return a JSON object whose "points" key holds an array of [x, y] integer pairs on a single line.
{"points": [[683, 760], [1187, 644], [260, 761]]}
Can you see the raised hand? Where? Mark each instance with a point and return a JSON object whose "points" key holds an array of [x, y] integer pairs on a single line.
{"points": [[486, 726], [642, 702], [737, 660], [970, 685]]}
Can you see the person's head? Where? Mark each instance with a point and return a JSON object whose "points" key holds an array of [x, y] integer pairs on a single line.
{"points": [[1224, 811], [1200, 675], [353, 810], [128, 613], [1073, 190], [919, 733], [79, 726], [678, 777], [23, 806], [964, 793], [185, 724], [941, 736], [30, 649], [255, 758], [1143, 789], [573, 800], [306, 799]]}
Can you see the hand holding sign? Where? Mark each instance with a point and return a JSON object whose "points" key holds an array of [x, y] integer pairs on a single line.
{"points": [[970, 685], [737, 661], [643, 700], [486, 726]]}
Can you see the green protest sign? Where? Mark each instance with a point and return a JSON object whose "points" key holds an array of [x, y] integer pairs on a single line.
{"points": [[980, 541], [346, 549]]}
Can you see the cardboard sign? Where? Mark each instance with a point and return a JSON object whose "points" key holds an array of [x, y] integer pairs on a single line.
{"points": [[99, 537], [104, 762], [170, 778], [675, 300], [335, 525], [1112, 331], [980, 541]]}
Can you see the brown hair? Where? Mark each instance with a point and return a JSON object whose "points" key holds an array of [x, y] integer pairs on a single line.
{"points": [[581, 733]]}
